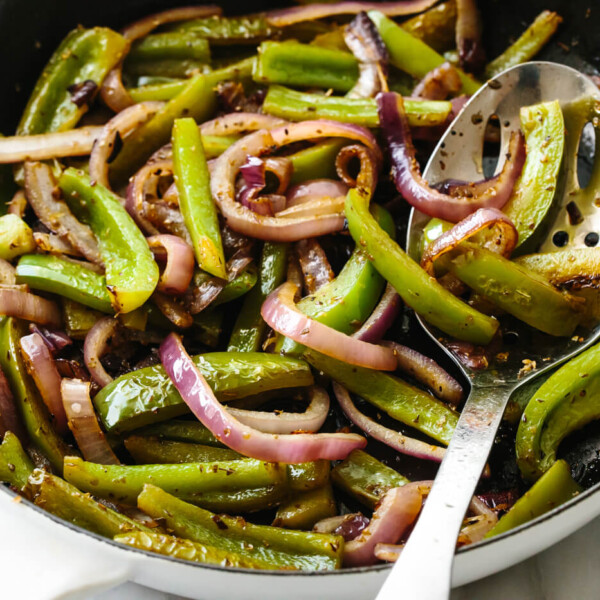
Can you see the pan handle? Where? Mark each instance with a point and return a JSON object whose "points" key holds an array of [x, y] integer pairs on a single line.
{"points": [[43, 559]]}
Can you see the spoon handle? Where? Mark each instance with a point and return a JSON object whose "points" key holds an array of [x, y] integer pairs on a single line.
{"points": [[424, 569]]}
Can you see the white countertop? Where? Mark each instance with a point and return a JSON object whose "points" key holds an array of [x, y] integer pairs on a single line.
{"points": [[568, 571]]}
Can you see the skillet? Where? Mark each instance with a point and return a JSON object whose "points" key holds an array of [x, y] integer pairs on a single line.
{"points": [[71, 562]]}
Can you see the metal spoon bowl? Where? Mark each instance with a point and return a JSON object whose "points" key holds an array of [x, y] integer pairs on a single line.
{"points": [[423, 571]]}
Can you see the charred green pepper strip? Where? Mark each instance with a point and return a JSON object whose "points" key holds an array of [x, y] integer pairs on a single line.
{"points": [[131, 272], [304, 510], [249, 328], [531, 206], [567, 401], [148, 396], [167, 91], [84, 55], [15, 465], [555, 487], [195, 199], [196, 100], [148, 450], [65, 278], [520, 292], [228, 30], [65, 501], [167, 67], [300, 106], [16, 237], [528, 45], [398, 399], [237, 485], [33, 411], [316, 162], [181, 431], [78, 319], [302, 65], [347, 301], [412, 55], [215, 145], [237, 288], [174, 547], [436, 26], [274, 547], [365, 478], [178, 46], [418, 290]]}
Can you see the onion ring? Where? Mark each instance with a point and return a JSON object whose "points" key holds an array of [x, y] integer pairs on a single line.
{"points": [[94, 347], [179, 270]]}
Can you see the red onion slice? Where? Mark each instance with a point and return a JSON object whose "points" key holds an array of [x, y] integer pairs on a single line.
{"points": [[240, 122], [317, 207], [40, 365], [503, 242], [121, 124], [9, 419], [54, 213], [75, 142], [94, 347], [382, 318], [415, 189], [8, 275], [438, 84], [468, 36], [173, 310], [393, 439], [25, 305], [179, 270], [83, 423], [309, 421], [315, 267], [315, 189], [428, 372], [54, 340], [312, 12], [397, 510], [349, 526], [292, 449], [281, 314]]}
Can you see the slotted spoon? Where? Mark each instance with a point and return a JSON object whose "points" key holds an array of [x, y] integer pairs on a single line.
{"points": [[424, 569]]}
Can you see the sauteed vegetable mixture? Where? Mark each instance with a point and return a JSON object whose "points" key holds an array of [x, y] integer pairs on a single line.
{"points": [[204, 290]]}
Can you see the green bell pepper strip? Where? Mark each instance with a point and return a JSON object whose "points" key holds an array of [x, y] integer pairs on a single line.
{"points": [[179, 430], [272, 546], [567, 401], [223, 485], [398, 399], [195, 199], [347, 301], [215, 145], [436, 26], [237, 288], [85, 54], [304, 510], [78, 319], [65, 501], [148, 450], [241, 70], [555, 487], [365, 478], [208, 326], [32, 410], [16, 237], [513, 288], [532, 205], [316, 162], [131, 272], [196, 100], [418, 290], [15, 464], [227, 30], [148, 396], [167, 67], [170, 45], [412, 55], [249, 329], [301, 106], [303, 65], [65, 278], [174, 547], [533, 39]]}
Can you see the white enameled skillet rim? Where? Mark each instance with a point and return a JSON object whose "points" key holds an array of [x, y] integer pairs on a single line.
{"points": [[567, 506]]}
